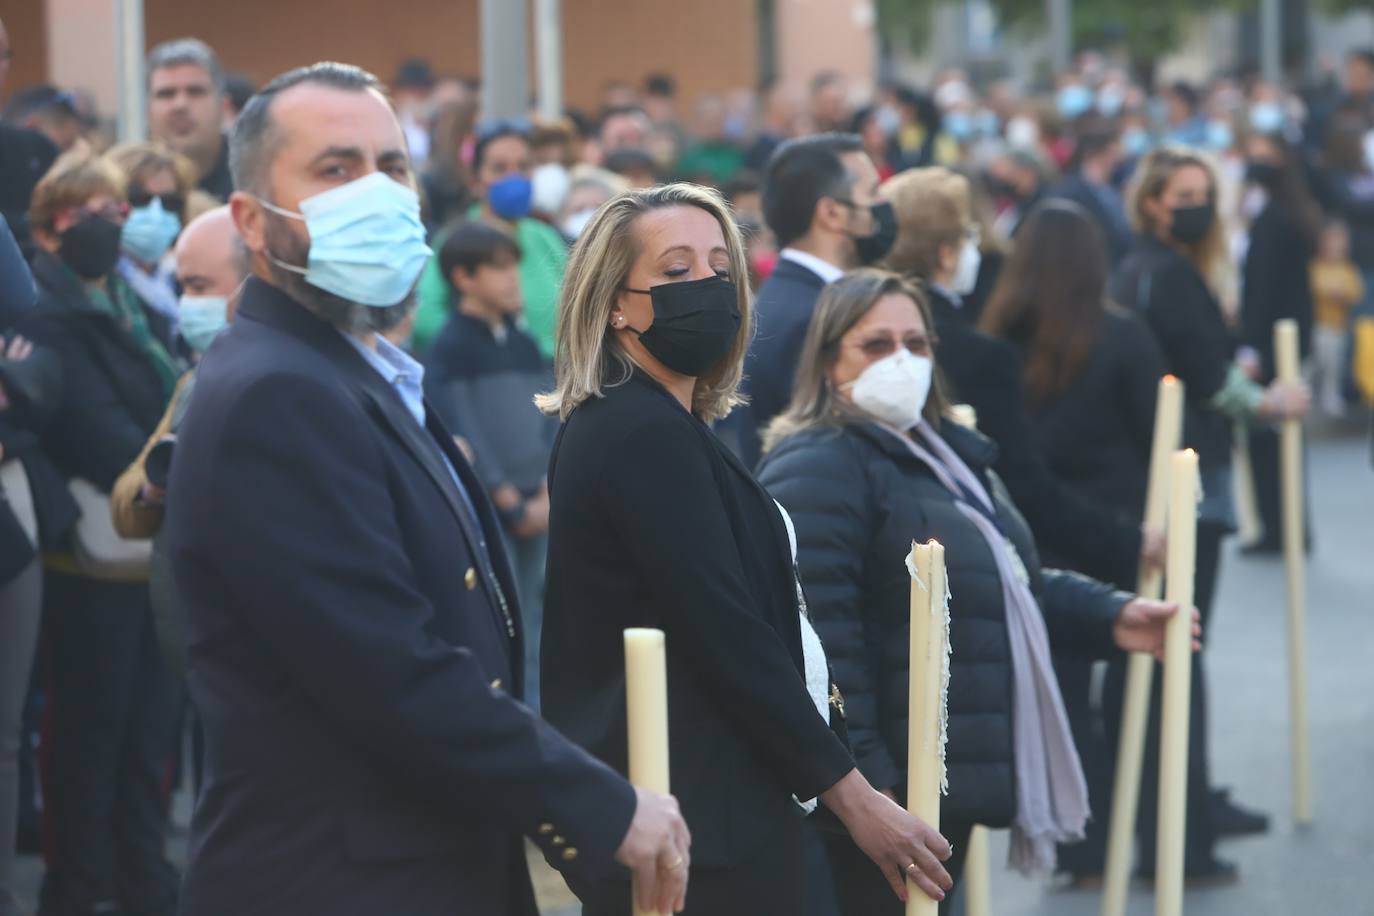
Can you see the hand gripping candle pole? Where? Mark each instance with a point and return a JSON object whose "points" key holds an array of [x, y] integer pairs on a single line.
{"points": [[1294, 559], [646, 708], [927, 687], [1168, 434], [1178, 670]]}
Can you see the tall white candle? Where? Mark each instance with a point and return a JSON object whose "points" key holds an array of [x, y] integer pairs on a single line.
{"points": [[1168, 435], [1295, 560], [928, 680], [646, 708], [1178, 652]]}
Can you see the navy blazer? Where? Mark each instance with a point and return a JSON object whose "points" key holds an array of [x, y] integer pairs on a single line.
{"points": [[783, 310], [355, 663]]}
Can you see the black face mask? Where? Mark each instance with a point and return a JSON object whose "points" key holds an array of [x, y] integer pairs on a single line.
{"points": [[695, 323], [1264, 174], [90, 247], [871, 248], [1191, 224]]}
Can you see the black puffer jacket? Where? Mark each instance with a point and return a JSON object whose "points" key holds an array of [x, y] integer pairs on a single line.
{"points": [[858, 498]]}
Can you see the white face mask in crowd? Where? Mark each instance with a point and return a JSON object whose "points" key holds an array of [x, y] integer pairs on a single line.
{"points": [[966, 274], [550, 185], [576, 221], [894, 389]]}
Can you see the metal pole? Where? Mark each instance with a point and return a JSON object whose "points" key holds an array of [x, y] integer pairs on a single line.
{"points": [[1271, 25], [505, 59], [1059, 14], [547, 38], [129, 74]]}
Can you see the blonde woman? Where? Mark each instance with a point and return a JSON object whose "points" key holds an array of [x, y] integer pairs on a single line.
{"points": [[1180, 243], [160, 183], [654, 523]]}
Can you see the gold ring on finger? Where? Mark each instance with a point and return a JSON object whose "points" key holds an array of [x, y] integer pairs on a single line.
{"points": [[673, 865]]}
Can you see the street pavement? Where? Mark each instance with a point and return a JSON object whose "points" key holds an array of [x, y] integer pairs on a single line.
{"points": [[1326, 869]]}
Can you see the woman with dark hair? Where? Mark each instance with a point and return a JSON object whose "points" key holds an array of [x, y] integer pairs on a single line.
{"points": [[881, 147], [1090, 374], [1283, 240], [1168, 278], [866, 463]]}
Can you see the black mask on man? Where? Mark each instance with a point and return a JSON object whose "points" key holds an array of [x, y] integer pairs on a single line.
{"points": [[695, 323], [90, 247], [873, 247], [1191, 224]]}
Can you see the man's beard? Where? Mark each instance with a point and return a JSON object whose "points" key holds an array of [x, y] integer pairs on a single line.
{"points": [[350, 317]]}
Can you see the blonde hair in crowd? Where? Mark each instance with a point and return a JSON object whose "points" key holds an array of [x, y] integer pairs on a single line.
{"points": [[933, 208], [586, 354], [1151, 177], [71, 182]]}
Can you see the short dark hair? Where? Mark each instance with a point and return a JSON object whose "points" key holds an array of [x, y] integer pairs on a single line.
{"points": [[181, 51], [239, 87], [42, 99], [488, 132], [1187, 93], [660, 84], [470, 245], [824, 80], [255, 141], [1364, 55], [800, 173], [631, 162], [1094, 141]]}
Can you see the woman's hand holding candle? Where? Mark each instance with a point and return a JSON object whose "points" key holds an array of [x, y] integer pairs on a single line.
{"points": [[1140, 626]]}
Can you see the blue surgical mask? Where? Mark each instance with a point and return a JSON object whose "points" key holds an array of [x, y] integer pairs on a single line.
{"points": [[367, 244], [1135, 142], [149, 231], [1219, 135], [1266, 118], [1073, 100], [1109, 100], [511, 196], [958, 124], [201, 318], [987, 123], [889, 119]]}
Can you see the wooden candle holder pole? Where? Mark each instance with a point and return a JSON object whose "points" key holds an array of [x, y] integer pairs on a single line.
{"points": [[1295, 561], [1178, 679], [1168, 433], [646, 708], [977, 880], [926, 694]]}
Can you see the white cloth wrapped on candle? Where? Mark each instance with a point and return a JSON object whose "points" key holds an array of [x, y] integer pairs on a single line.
{"points": [[943, 738]]}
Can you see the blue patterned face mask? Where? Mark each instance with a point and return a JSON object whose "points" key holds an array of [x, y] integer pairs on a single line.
{"points": [[149, 231], [367, 244]]}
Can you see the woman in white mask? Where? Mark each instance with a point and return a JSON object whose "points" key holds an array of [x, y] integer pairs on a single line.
{"points": [[866, 463]]}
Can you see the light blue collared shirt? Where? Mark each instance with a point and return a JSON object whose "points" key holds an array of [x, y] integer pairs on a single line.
{"points": [[407, 378]]}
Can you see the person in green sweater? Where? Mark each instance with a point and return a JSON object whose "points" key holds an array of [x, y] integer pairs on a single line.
{"points": [[502, 162]]}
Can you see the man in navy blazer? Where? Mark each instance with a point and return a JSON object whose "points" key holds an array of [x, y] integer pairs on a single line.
{"points": [[818, 196], [353, 641]]}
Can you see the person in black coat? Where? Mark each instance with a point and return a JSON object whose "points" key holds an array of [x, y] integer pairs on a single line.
{"points": [[818, 198], [1091, 374], [25, 157], [353, 635], [936, 244], [654, 523], [1173, 205], [117, 707], [857, 464], [1275, 285]]}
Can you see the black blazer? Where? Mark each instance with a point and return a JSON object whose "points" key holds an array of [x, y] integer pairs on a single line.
{"points": [[1275, 284], [354, 661], [654, 523], [985, 372], [783, 310]]}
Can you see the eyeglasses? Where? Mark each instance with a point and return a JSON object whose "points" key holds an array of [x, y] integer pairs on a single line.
{"points": [[172, 202], [501, 126], [882, 346], [112, 212]]}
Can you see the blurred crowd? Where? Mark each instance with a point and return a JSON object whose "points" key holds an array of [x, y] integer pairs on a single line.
{"points": [[1284, 229]]}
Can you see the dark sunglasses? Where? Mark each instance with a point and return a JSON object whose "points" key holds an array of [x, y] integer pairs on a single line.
{"points": [[172, 203], [882, 347]]}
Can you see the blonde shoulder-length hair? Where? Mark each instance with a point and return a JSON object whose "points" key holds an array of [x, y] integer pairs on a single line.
{"points": [[587, 357], [1151, 177]]}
